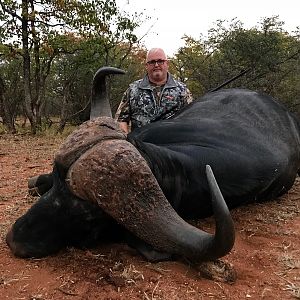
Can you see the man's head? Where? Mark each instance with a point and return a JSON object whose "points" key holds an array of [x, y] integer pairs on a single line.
{"points": [[157, 66]]}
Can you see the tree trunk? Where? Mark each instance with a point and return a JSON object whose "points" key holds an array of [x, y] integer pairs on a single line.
{"points": [[5, 112], [65, 107], [26, 68]]}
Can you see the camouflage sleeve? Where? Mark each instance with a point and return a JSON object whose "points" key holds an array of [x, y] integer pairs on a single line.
{"points": [[188, 97], [123, 111]]}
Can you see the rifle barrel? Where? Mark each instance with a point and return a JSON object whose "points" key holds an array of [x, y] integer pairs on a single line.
{"points": [[230, 80]]}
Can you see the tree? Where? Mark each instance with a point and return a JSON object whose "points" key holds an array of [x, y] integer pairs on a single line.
{"points": [[5, 112], [190, 65], [272, 55], [11, 91], [39, 31]]}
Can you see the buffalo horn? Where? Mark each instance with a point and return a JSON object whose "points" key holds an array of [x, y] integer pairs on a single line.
{"points": [[115, 175], [100, 106]]}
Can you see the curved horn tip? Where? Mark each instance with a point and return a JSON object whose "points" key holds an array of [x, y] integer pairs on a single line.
{"points": [[212, 180], [216, 193], [106, 70], [209, 172], [224, 223]]}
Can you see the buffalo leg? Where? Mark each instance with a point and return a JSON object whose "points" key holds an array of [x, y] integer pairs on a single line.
{"points": [[146, 250], [39, 185]]}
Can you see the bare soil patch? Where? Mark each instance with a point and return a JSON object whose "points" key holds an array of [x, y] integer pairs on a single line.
{"points": [[266, 255]]}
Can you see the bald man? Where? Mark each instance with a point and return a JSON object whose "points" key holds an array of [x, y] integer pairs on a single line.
{"points": [[156, 96]]}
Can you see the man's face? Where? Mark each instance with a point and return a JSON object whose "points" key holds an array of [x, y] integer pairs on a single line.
{"points": [[157, 67]]}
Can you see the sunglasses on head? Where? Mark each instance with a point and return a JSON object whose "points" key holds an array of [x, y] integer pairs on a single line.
{"points": [[154, 62]]}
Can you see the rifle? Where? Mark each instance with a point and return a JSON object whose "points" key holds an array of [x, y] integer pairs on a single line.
{"points": [[230, 80]]}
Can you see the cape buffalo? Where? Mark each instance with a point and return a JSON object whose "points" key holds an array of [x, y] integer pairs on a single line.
{"points": [[145, 185]]}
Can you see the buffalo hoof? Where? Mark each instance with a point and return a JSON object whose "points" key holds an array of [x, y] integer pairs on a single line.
{"points": [[218, 270]]}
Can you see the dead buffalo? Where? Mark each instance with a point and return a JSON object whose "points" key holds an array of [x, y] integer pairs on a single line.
{"points": [[144, 186]]}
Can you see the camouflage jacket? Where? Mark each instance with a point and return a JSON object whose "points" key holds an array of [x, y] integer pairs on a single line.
{"points": [[143, 103]]}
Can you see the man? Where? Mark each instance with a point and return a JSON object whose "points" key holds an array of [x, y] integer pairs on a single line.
{"points": [[157, 96]]}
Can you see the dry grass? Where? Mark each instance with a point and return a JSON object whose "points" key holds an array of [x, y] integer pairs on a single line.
{"points": [[131, 274], [289, 262], [294, 289]]}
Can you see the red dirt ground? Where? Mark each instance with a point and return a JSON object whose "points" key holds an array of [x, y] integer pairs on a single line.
{"points": [[266, 255]]}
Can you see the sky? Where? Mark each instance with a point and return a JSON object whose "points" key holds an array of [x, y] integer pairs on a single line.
{"points": [[171, 19]]}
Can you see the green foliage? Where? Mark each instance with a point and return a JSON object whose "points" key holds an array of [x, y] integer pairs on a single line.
{"points": [[134, 65], [62, 43], [69, 40], [10, 72], [190, 65], [3, 129], [272, 55]]}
